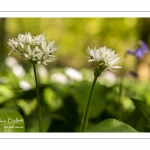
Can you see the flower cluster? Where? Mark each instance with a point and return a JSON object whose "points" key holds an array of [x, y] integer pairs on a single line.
{"points": [[34, 48], [103, 58]]}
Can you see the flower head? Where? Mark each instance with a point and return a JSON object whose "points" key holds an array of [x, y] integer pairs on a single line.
{"points": [[34, 48], [139, 52], [103, 58]]}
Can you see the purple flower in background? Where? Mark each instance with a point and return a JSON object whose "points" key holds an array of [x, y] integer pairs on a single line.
{"points": [[139, 52]]}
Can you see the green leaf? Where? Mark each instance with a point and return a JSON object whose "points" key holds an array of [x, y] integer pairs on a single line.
{"points": [[80, 93], [111, 125], [143, 108], [33, 124], [11, 121]]}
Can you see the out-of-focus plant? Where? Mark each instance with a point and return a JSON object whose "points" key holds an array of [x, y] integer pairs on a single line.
{"points": [[62, 102], [139, 52]]}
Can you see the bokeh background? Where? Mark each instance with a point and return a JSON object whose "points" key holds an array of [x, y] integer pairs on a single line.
{"points": [[65, 83], [75, 34]]}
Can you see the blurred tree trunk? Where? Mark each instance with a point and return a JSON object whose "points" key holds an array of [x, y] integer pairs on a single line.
{"points": [[145, 29], [2, 35]]}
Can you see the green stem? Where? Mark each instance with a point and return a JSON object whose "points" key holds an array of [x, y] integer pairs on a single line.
{"points": [[86, 114], [38, 99]]}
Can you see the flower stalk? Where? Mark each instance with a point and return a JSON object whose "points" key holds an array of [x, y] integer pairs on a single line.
{"points": [[87, 110], [102, 59], [38, 99]]}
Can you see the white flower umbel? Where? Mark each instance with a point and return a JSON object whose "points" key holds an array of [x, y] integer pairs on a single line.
{"points": [[34, 48], [38, 51], [103, 58]]}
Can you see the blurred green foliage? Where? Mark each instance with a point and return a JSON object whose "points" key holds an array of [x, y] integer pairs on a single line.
{"points": [[64, 96], [74, 35]]}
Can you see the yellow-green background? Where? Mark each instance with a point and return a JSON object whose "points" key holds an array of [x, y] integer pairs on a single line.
{"points": [[74, 35]]}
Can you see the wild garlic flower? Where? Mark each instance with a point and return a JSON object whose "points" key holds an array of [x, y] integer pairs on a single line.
{"points": [[34, 48], [103, 58]]}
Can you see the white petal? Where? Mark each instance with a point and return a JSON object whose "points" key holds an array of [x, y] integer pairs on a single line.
{"points": [[29, 50], [26, 55]]}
